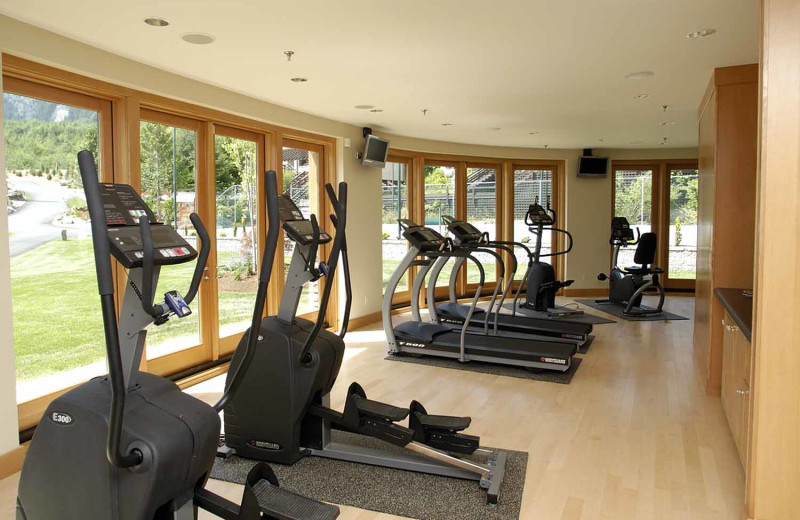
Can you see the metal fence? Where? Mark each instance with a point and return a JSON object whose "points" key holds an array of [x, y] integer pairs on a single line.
{"points": [[481, 199]]}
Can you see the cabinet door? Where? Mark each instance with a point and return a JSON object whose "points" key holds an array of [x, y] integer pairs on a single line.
{"points": [[728, 379], [742, 390]]}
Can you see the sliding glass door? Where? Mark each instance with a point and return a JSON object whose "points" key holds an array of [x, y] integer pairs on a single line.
{"points": [[58, 328], [238, 158], [661, 197], [394, 205]]}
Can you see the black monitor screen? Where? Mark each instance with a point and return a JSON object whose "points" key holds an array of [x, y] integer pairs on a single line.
{"points": [[376, 150], [593, 166]]}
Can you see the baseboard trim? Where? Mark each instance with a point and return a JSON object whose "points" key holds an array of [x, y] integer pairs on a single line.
{"points": [[585, 292], [363, 321], [11, 462]]}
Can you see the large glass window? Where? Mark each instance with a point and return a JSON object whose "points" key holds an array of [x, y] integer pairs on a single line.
{"points": [[531, 184], [237, 232], [394, 197], [301, 171], [440, 199], [168, 160], [482, 213], [682, 257], [633, 199], [58, 327]]}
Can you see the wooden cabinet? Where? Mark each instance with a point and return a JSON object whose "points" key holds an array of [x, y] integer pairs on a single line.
{"points": [[726, 212], [735, 389]]}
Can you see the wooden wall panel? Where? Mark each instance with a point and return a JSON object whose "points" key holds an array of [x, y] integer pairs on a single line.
{"points": [[705, 226], [775, 458]]}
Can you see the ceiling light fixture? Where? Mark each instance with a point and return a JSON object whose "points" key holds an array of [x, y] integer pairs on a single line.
{"points": [[602, 140], [198, 38], [642, 96], [288, 55], [376, 110], [534, 133], [447, 124], [666, 123], [155, 21], [495, 128], [299, 80], [702, 33], [642, 74], [364, 107]]}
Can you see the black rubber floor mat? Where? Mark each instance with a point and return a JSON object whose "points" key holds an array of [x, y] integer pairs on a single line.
{"points": [[587, 318], [390, 491], [549, 376], [616, 310]]}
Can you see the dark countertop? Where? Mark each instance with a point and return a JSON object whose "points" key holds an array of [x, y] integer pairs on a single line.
{"points": [[739, 307]]}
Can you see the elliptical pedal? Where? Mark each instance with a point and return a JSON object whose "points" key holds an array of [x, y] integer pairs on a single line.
{"points": [[379, 420], [263, 495], [442, 431]]}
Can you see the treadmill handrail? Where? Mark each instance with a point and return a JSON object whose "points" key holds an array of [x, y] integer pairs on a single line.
{"points": [[105, 286], [267, 262]]}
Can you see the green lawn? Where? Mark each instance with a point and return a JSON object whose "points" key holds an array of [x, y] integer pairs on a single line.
{"points": [[56, 308]]}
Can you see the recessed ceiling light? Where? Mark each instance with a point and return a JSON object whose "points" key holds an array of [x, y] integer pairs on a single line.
{"points": [[447, 124], [666, 123], [602, 140], [375, 110], [299, 80], [495, 128], [156, 21], [642, 96], [642, 74], [534, 133], [365, 107], [198, 38], [702, 33]]}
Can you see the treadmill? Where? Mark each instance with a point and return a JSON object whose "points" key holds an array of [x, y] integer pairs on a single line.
{"points": [[432, 339], [491, 321]]}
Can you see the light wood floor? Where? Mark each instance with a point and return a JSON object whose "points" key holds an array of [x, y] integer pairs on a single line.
{"points": [[632, 437]]}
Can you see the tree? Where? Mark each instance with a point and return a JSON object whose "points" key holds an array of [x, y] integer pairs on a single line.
{"points": [[633, 198]]}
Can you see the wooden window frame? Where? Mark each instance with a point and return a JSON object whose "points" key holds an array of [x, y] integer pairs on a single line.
{"points": [[226, 345], [30, 411], [403, 298], [205, 208], [558, 241], [660, 204], [121, 159]]}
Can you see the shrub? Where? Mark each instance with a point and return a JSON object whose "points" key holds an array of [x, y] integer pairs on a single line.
{"points": [[385, 235], [678, 233], [223, 234], [525, 240]]}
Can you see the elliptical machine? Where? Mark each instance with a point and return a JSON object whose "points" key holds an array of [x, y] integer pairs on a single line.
{"points": [[627, 285], [540, 281], [282, 412], [132, 445]]}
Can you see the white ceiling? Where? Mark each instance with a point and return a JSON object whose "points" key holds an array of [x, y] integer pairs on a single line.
{"points": [[551, 66]]}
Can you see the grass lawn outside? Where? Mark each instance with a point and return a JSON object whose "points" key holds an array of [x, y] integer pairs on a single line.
{"points": [[56, 310]]}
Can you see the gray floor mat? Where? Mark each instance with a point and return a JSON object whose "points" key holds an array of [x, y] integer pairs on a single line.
{"points": [[548, 376], [391, 491], [616, 310], [587, 318]]}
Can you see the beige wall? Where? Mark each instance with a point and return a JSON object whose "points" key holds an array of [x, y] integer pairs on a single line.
{"points": [[8, 402]]}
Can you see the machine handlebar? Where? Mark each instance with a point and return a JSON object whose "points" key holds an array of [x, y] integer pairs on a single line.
{"points": [[105, 285], [333, 260], [267, 262]]}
